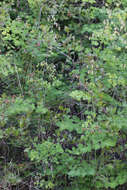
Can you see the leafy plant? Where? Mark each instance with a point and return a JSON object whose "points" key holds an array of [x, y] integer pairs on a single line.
{"points": [[63, 95]]}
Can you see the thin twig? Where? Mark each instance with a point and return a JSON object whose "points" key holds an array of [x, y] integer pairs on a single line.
{"points": [[18, 79]]}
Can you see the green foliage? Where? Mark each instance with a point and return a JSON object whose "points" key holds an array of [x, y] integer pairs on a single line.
{"points": [[63, 94]]}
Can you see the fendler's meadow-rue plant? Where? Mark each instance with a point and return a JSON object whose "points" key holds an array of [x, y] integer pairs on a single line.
{"points": [[63, 94]]}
